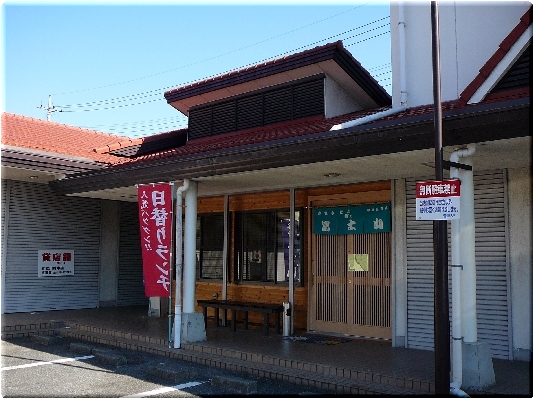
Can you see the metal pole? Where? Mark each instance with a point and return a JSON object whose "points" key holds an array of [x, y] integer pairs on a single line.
{"points": [[440, 234], [225, 247], [291, 265], [225, 254]]}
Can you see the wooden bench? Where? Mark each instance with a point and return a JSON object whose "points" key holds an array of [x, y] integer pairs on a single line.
{"points": [[245, 306]]}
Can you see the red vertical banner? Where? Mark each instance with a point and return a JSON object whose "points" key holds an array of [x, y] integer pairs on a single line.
{"points": [[155, 202]]}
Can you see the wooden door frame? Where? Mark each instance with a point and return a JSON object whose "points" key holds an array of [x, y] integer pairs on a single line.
{"points": [[334, 199]]}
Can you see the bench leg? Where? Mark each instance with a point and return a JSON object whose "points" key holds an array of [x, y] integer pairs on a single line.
{"points": [[246, 322], [216, 311], [233, 321], [205, 316], [266, 324], [278, 322]]}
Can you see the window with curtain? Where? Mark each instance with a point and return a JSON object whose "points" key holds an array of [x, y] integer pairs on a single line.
{"points": [[210, 233], [262, 247]]}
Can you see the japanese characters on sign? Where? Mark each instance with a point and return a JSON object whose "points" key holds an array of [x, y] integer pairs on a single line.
{"points": [[438, 200], [55, 262], [352, 220], [155, 204]]}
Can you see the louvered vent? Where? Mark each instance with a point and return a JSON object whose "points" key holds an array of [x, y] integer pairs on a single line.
{"points": [[200, 123], [224, 118], [308, 99], [286, 102], [250, 112], [519, 75]]}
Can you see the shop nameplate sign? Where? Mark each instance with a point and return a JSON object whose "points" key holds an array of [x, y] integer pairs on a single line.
{"points": [[438, 200], [55, 262], [352, 219]]}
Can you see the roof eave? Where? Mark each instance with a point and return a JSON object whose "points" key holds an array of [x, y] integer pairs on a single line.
{"points": [[483, 122], [23, 158]]}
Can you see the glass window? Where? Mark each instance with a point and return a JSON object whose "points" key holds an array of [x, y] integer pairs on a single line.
{"points": [[210, 232], [262, 246]]}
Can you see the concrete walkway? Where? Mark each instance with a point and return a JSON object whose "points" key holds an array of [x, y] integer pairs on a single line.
{"points": [[346, 366]]}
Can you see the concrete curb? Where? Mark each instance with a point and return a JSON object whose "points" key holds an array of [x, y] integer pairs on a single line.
{"points": [[46, 340], [174, 375], [81, 348], [106, 356], [235, 384], [110, 357]]}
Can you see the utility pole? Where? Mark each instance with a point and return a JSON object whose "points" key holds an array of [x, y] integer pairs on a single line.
{"points": [[440, 234], [50, 109]]}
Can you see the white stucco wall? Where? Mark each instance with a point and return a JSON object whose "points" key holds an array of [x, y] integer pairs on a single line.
{"points": [[337, 100], [520, 200], [470, 33]]}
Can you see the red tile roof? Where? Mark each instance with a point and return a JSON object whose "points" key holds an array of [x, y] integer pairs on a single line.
{"points": [[36, 134], [492, 63], [277, 131]]}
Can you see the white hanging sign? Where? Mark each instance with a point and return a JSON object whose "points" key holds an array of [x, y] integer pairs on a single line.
{"points": [[438, 200], [55, 262]]}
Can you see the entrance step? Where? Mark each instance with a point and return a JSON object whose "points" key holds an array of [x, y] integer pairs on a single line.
{"points": [[339, 380]]}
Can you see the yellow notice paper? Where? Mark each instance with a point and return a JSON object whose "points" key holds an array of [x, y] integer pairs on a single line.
{"points": [[357, 262]]}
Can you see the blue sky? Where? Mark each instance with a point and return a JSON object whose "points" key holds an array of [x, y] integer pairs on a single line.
{"points": [[107, 66]]}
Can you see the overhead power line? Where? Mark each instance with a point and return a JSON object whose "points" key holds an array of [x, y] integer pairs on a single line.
{"points": [[364, 40], [379, 67], [217, 56], [169, 123], [146, 122], [96, 105]]}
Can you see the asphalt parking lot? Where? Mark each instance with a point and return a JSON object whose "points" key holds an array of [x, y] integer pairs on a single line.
{"points": [[65, 367]]}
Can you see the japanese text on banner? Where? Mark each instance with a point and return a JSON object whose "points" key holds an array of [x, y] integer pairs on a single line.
{"points": [[155, 204]]}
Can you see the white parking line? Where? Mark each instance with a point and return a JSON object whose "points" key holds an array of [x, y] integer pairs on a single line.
{"points": [[61, 360], [164, 390]]}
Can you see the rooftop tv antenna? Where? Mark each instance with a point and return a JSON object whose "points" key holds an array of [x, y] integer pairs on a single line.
{"points": [[50, 109]]}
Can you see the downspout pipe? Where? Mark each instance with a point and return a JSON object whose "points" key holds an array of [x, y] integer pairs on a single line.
{"points": [[468, 254], [402, 64], [178, 251], [368, 118], [456, 281]]}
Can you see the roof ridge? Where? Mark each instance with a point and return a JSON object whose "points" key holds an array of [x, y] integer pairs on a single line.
{"points": [[338, 44], [499, 54]]}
